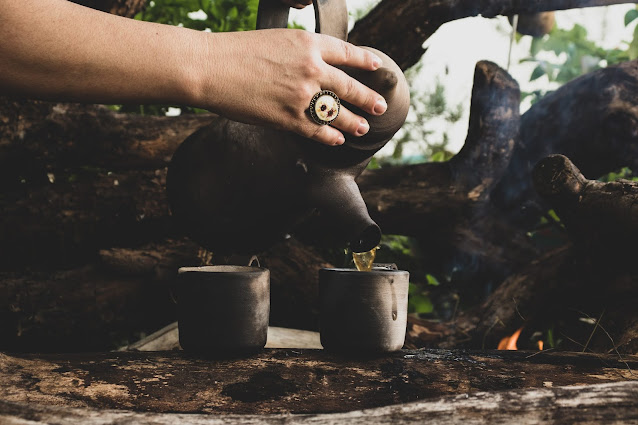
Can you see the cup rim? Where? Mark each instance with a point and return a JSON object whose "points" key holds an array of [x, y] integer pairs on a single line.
{"points": [[222, 268]]}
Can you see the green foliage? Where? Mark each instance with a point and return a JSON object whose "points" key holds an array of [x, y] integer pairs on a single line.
{"points": [[574, 54], [425, 106], [624, 173], [221, 15], [418, 300]]}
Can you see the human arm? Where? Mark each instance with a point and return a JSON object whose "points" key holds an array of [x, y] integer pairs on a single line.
{"points": [[54, 49]]}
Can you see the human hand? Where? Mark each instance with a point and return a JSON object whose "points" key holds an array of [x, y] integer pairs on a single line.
{"points": [[297, 4], [268, 77]]}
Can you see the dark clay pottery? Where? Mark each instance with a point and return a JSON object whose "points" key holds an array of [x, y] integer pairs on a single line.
{"points": [[239, 188], [223, 309], [363, 312]]}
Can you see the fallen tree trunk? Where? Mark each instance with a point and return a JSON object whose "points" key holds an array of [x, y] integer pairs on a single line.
{"points": [[584, 280], [86, 309], [593, 120], [290, 381], [597, 215], [611, 403]]}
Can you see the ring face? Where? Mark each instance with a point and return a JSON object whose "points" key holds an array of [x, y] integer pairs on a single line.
{"points": [[324, 107]]}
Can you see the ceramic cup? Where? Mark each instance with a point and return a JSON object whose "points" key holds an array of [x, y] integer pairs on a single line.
{"points": [[223, 309], [363, 312]]}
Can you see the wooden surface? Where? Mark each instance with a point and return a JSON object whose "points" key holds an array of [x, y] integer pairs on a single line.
{"points": [[289, 381], [167, 339], [612, 403]]}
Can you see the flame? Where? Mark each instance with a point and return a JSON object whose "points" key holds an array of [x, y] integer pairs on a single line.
{"points": [[540, 344], [509, 342]]}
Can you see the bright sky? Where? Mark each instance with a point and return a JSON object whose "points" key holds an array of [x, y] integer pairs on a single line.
{"points": [[458, 45]]}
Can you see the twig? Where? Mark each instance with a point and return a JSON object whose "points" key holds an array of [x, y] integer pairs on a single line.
{"points": [[516, 308], [613, 344], [596, 322], [540, 352]]}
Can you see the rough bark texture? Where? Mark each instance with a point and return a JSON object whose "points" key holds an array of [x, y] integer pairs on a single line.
{"points": [[449, 202], [290, 381], [593, 120], [612, 403], [597, 215], [423, 17], [582, 280]]}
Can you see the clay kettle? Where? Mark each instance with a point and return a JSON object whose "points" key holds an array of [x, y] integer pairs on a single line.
{"points": [[239, 189]]}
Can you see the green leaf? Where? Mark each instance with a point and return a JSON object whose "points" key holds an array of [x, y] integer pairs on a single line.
{"points": [[632, 51], [537, 73], [553, 215], [420, 304], [432, 280], [630, 16]]}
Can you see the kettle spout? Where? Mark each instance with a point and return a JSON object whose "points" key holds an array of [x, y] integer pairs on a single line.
{"points": [[339, 201]]}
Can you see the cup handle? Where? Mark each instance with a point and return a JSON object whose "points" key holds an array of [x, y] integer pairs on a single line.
{"points": [[253, 260]]}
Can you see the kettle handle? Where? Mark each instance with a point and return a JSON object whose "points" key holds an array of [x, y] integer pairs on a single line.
{"points": [[331, 16]]}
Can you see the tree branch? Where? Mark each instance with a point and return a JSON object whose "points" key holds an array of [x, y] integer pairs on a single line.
{"points": [[419, 19]]}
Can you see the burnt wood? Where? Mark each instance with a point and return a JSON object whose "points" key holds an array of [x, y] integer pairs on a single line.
{"points": [[289, 381], [599, 403]]}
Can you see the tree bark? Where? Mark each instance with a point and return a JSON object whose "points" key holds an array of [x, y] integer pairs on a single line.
{"points": [[85, 309], [593, 120], [566, 284], [612, 403], [597, 215], [291, 381], [421, 18]]}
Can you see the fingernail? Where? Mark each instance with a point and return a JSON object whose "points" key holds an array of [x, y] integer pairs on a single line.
{"points": [[340, 140], [363, 128], [380, 107], [376, 61]]}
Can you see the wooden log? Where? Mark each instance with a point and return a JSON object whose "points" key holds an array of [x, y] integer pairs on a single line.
{"points": [[422, 18], [593, 120], [83, 309], [612, 403], [597, 215], [449, 201], [39, 137], [290, 381]]}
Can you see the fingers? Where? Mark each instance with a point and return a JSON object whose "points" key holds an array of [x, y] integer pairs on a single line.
{"points": [[354, 92], [339, 52], [351, 123], [330, 134], [323, 134]]}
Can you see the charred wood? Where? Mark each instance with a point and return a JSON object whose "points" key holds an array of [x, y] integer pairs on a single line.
{"points": [[593, 120], [290, 381], [598, 216], [605, 403], [85, 309]]}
